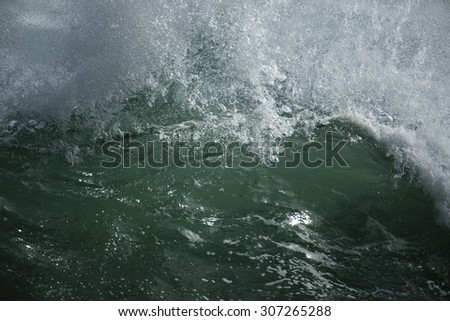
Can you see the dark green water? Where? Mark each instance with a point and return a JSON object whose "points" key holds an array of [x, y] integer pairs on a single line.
{"points": [[74, 74], [84, 232]]}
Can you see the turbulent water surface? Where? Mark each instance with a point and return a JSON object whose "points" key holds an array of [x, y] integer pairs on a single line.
{"points": [[75, 74]]}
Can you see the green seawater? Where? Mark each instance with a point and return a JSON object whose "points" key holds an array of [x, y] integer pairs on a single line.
{"points": [[75, 74], [82, 232]]}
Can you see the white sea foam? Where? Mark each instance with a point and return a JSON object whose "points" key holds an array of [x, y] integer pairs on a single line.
{"points": [[251, 68]]}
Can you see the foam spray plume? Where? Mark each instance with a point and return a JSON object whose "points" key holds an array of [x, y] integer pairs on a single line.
{"points": [[279, 62]]}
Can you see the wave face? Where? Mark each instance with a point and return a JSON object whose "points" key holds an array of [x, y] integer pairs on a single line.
{"points": [[76, 73]]}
